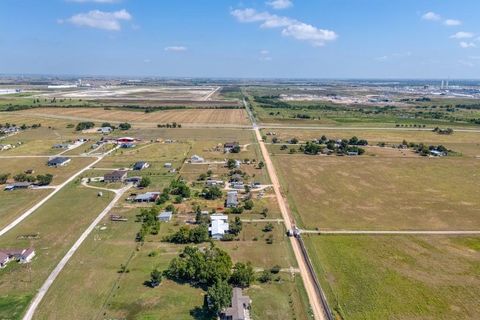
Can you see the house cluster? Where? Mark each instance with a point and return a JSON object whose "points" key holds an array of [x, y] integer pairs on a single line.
{"points": [[20, 255], [58, 161], [239, 308], [9, 130]]}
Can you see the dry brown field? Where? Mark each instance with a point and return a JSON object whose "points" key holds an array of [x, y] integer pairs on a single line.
{"points": [[184, 116]]}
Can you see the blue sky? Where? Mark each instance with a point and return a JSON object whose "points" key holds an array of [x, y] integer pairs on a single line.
{"points": [[247, 38]]}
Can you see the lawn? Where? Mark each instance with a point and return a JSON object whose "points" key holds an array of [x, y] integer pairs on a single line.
{"points": [[57, 224], [399, 277], [375, 193], [14, 203]]}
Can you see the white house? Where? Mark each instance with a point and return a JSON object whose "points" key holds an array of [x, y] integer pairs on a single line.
{"points": [[105, 130], [218, 226], [197, 159]]}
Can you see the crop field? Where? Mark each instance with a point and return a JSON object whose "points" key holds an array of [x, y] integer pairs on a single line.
{"points": [[51, 230], [375, 193], [183, 116], [399, 277]]}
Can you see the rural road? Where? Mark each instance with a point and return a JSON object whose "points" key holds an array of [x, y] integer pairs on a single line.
{"points": [[318, 310], [50, 195], [47, 284], [393, 232]]}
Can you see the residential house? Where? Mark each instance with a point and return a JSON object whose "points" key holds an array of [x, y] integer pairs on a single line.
{"points": [[141, 165], [147, 197], [230, 146], [18, 185], [214, 183], [165, 216], [239, 308], [167, 165], [115, 176], [197, 159], [218, 226], [232, 199], [237, 185], [58, 162], [125, 140], [22, 256], [134, 180], [105, 130], [127, 145]]}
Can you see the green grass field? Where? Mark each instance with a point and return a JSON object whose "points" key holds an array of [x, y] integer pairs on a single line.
{"points": [[375, 193], [399, 277], [58, 225]]}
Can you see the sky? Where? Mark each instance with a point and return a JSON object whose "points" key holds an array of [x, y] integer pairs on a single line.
{"points": [[423, 39]]}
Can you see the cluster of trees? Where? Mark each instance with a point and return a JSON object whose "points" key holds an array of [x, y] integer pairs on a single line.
{"points": [[40, 180], [212, 193], [150, 224], [447, 131], [267, 275], [212, 269], [343, 147], [125, 126], [177, 188], [84, 125], [145, 182], [425, 150], [185, 235], [169, 125], [410, 125]]}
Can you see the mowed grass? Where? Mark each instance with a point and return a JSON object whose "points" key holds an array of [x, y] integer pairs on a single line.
{"points": [[382, 193], [39, 165], [399, 277], [58, 224], [14, 203]]}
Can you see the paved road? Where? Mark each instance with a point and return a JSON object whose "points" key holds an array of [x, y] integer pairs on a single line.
{"points": [[393, 232], [308, 279], [48, 283], [50, 195]]}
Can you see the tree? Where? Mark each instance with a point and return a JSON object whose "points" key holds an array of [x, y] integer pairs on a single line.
{"points": [[274, 140], [261, 165], [236, 226], [242, 275], [202, 177], [124, 126], [275, 269], [145, 182], [294, 141], [84, 125], [219, 296], [4, 177], [236, 149], [248, 205], [44, 180], [179, 187], [212, 193], [283, 147], [106, 124], [265, 277], [231, 164], [155, 278], [268, 227]]}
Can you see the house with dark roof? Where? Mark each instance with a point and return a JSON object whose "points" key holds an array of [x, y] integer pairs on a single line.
{"points": [[58, 162], [231, 147], [140, 165], [239, 308], [147, 197], [115, 176]]}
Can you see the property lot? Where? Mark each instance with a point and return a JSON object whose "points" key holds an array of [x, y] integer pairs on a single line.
{"points": [[14, 203], [182, 116], [399, 277], [373, 193], [39, 166], [51, 230]]}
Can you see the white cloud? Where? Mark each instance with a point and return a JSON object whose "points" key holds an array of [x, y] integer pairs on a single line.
{"points": [[95, 1], [110, 21], [467, 45], [452, 22], [264, 52], [462, 35], [280, 4], [431, 16], [290, 27], [176, 49]]}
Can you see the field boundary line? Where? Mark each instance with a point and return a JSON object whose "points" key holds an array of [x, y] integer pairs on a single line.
{"points": [[392, 232]]}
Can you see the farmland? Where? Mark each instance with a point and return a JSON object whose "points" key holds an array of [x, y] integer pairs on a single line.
{"points": [[182, 116], [399, 277]]}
